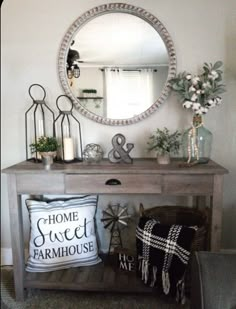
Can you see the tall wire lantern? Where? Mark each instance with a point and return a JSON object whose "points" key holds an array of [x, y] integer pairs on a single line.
{"points": [[39, 120], [68, 132]]}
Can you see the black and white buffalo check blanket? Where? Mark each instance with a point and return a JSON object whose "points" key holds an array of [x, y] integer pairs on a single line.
{"points": [[163, 254]]}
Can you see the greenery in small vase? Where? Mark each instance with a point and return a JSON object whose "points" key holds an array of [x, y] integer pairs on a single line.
{"points": [[45, 144], [200, 92], [164, 142]]}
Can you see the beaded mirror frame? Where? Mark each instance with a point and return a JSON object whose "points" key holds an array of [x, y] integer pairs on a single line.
{"points": [[114, 8]]}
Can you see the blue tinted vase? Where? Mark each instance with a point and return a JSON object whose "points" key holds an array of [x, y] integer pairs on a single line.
{"points": [[197, 142]]}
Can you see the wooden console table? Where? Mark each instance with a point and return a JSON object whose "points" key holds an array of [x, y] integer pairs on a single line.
{"points": [[144, 176]]}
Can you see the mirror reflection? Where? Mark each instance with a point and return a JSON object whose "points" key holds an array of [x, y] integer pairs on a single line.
{"points": [[117, 65]]}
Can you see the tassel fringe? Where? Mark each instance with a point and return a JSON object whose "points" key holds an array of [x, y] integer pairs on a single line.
{"points": [[165, 282], [145, 271], [180, 295], [143, 266], [154, 276]]}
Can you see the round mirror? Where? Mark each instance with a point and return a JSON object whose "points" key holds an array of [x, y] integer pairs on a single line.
{"points": [[115, 62]]}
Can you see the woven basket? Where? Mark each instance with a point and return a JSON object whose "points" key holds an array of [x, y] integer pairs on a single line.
{"points": [[183, 216]]}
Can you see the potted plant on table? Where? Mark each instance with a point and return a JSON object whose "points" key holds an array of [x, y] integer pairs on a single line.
{"points": [[164, 143], [47, 147]]}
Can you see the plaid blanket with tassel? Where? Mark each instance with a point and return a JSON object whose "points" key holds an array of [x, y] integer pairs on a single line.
{"points": [[163, 253]]}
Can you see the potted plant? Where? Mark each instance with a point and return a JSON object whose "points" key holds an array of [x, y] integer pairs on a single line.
{"points": [[47, 147], [164, 143]]}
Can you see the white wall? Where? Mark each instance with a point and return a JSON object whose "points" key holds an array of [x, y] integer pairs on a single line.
{"points": [[203, 31]]}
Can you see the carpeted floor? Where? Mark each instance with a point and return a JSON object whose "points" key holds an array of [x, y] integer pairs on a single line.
{"points": [[45, 299]]}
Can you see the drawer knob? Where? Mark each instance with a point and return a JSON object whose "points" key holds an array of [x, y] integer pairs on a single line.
{"points": [[113, 182]]}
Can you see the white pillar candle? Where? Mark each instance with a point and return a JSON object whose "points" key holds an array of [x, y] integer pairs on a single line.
{"points": [[68, 149], [40, 128]]}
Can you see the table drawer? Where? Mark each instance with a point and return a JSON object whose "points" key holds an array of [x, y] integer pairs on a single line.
{"points": [[112, 183], [188, 184], [40, 184]]}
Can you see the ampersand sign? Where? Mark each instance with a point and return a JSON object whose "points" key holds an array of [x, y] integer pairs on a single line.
{"points": [[118, 153]]}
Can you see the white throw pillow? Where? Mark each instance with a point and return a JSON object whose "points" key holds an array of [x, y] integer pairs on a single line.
{"points": [[62, 234]]}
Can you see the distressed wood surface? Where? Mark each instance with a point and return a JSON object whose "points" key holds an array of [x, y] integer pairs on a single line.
{"points": [[139, 166], [188, 184], [216, 217], [17, 240], [135, 184], [100, 277], [40, 183], [144, 176]]}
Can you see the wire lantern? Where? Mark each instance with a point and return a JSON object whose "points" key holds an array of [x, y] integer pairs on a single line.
{"points": [[39, 121], [67, 130]]}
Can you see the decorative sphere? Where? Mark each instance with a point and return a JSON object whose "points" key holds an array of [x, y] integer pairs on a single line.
{"points": [[93, 153]]}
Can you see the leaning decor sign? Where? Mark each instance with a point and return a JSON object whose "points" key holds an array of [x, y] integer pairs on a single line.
{"points": [[62, 234], [126, 261]]}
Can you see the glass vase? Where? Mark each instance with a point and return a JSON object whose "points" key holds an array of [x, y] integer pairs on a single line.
{"points": [[197, 142]]}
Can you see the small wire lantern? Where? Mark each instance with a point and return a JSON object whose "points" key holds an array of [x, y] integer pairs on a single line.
{"points": [[68, 132], [39, 121]]}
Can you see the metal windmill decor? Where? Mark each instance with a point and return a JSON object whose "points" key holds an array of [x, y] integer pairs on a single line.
{"points": [[115, 218]]}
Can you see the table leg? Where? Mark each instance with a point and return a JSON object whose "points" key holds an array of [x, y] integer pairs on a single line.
{"points": [[199, 202], [216, 220], [17, 238]]}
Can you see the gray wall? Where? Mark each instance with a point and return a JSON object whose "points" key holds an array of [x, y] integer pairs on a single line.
{"points": [[202, 32]]}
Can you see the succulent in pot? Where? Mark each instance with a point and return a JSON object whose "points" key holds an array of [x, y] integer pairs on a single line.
{"points": [[164, 143]]}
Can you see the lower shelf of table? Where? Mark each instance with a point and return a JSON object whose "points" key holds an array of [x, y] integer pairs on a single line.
{"points": [[100, 277]]}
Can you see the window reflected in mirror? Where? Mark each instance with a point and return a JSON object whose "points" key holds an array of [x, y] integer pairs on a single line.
{"points": [[126, 65], [118, 59]]}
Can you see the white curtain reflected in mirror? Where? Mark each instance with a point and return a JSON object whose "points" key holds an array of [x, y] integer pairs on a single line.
{"points": [[128, 92], [120, 67]]}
